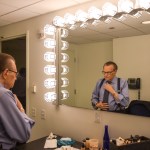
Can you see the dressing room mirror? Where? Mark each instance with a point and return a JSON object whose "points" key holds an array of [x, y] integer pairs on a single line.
{"points": [[91, 47]]}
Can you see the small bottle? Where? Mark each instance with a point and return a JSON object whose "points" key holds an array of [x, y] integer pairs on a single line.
{"points": [[83, 147], [87, 144], [106, 139]]}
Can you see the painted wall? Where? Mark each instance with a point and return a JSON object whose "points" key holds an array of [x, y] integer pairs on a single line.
{"points": [[66, 121]]}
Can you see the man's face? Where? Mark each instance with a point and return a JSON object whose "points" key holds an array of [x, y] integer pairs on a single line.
{"points": [[109, 72], [10, 75]]}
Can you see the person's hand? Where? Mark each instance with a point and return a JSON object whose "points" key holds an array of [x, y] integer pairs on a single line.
{"points": [[108, 87], [102, 106], [19, 105]]}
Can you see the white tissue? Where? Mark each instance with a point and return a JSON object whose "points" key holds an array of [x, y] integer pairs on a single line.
{"points": [[50, 143]]}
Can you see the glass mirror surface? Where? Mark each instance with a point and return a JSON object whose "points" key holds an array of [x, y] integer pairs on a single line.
{"points": [[126, 43]]}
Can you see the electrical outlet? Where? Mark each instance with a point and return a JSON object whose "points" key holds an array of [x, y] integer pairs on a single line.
{"points": [[33, 111], [97, 117], [43, 114]]}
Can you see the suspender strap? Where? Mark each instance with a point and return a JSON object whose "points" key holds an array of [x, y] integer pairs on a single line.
{"points": [[118, 84]]}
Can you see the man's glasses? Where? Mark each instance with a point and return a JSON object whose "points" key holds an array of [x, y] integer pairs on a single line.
{"points": [[14, 72], [108, 73]]}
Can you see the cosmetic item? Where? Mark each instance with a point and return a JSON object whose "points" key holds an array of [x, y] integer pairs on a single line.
{"points": [[83, 147], [106, 139]]}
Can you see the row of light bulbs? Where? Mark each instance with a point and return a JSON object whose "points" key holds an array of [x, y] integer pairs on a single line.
{"points": [[108, 12], [50, 69]]}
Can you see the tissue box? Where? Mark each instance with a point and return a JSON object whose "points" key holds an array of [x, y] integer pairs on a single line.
{"points": [[143, 145]]}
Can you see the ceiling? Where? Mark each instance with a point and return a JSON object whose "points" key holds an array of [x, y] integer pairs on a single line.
{"points": [[18, 10]]}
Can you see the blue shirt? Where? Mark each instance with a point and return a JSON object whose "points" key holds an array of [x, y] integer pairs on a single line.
{"points": [[15, 126], [98, 93]]}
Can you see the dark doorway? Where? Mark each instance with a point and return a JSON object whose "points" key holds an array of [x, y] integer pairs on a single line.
{"points": [[17, 48]]}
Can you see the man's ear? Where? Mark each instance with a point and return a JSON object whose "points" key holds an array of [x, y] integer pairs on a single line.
{"points": [[5, 73]]}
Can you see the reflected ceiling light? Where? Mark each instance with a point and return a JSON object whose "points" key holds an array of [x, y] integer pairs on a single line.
{"points": [[64, 33], [49, 43], [50, 96], [146, 22], [125, 6], [64, 94], [50, 83], [94, 13], [59, 21], [50, 69], [84, 25], [50, 56], [81, 16], [65, 82], [109, 9], [65, 57], [120, 17], [143, 4], [65, 45], [69, 19], [49, 29], [65, 69], [73, 27], [136, 13], [95, 22]]}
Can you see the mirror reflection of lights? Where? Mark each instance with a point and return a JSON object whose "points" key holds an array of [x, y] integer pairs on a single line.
{"points": [[50, 56], [64, 33], [49, 43], [50, 83], [65, 94], [49, 29], [65, 69], [65, 45], [65, 82], [50, 69], [50, 96], [65, 57]]}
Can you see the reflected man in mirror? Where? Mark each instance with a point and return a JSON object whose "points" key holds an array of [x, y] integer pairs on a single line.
{"points": [[111, 92]]}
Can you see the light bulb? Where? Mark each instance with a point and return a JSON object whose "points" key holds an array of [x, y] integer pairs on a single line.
{"points": [[109, 9], [50, 83], [81, 16], [49, 43], [125, 6], [65, 94], [50, 56], [49, 29], [59, 21], [50, 69], [94, 13], [50, 96], [65, 45], [65, 82], [69, 19], [65, 57], [65, 69], [64, 33]]}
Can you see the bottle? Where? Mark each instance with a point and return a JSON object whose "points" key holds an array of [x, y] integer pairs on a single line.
{"points": [[106, 140], [83, 147]]}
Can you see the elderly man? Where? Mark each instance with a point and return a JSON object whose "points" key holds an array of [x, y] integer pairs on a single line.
{"points": [[111, 92], [15, 125]]}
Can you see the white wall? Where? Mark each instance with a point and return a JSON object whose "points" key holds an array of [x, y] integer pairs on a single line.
{"points": [[132, 56], [66, 121]]}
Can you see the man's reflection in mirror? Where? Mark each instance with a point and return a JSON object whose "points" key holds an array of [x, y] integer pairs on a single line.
{"points": [[111, 92]]}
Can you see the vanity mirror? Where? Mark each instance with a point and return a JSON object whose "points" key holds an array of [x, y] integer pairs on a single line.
{"points": [[124, 41]]}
